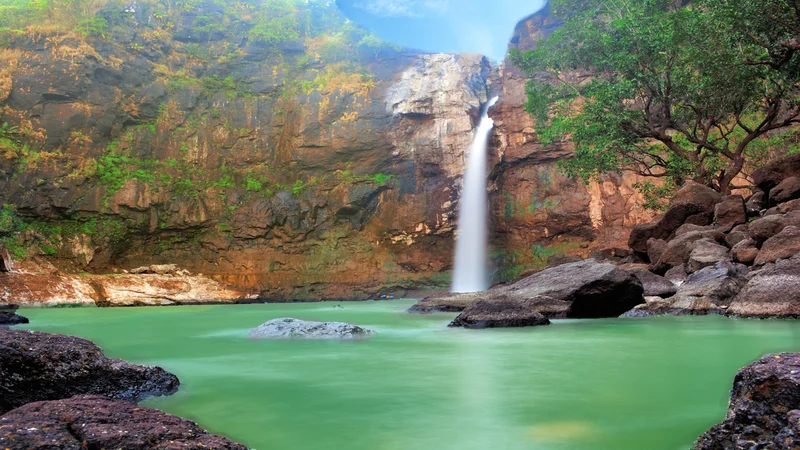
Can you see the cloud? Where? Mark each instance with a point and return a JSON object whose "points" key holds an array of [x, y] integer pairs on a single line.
{"points": [[404, 8]]}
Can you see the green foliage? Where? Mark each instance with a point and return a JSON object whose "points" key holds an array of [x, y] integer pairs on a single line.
{"points": [[275, 22], [668, 92], [7, 131], [96, 26]]}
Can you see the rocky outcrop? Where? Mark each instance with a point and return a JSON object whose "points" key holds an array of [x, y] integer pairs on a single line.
{"points": [[500, 313], [9, 316], [95, 422], [771, 292], [39, 366], [117, 290], [585, 289], [693, 204], [764, 410], [536, 209], [288, 328], [654, 285], [280, 169]]}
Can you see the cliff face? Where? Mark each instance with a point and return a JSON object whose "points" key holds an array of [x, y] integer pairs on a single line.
{"points": [[537, 211], [310, 168]]}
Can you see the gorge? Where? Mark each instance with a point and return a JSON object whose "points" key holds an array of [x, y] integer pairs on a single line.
{"points": [[288, 175]]}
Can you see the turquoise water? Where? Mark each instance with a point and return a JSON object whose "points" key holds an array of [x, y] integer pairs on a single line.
{"points": [[618, 384]]}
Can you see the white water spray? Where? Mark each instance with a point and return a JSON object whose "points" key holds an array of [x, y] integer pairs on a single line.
{"points": [[469, 274]]}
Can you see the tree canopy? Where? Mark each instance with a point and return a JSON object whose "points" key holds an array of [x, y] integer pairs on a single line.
{"points": [[664, 89]]}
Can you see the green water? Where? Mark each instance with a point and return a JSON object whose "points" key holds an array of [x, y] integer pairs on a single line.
{"points": [[617, 384]]}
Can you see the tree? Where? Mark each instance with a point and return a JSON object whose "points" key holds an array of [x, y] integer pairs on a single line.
{"points": [[656, 87]]}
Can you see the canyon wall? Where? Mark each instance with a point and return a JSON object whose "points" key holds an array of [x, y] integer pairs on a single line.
{"points": [[311, 168], [537, 211]]}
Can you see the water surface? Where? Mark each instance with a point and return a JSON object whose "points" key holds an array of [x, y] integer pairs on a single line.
{"points": [[618, 384]]}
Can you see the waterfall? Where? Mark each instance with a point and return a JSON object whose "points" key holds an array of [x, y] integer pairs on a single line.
{"points": [[470, 271]]}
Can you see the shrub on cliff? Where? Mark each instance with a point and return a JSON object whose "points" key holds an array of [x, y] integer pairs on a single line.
{"points": [[667, 90]]}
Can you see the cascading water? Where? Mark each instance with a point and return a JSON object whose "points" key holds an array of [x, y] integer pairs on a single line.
{"points": [[469, 273]]}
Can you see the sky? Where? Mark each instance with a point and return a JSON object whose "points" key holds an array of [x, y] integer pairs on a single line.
{"points": [[449, 26]]}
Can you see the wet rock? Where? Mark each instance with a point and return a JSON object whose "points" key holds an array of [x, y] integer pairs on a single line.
{"points": [[771, 175], [745, 252], [294, 328], [763, 409], [654, 285], [585, 289], [11, 318], [693, 204], [500, 313], [730, 212], [40, 366], [95, 422], [788, 189], [783, 245], [771, 292], [706, 252]]}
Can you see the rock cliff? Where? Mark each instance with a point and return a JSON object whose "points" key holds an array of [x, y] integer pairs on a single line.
{"points": [[317, 167], [538, 212], [322, 164]]}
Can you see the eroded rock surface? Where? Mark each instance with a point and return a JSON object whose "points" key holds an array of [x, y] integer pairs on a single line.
{"points": [[585, 289], [772, 292], [287, 328], [93, 422], [40, 366], [764, 411], [500, 313]]}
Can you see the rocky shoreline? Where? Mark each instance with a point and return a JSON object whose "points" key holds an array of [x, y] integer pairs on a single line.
{"points": [[62, 392], [707, 254]]}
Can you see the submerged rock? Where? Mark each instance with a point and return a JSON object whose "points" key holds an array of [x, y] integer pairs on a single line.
{"points": [[295, 328], [95, 422], [500, 313], [764, 410], [40, 366], [585, 289]]}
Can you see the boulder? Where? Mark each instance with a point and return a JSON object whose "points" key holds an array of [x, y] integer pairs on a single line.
{"points": [[584, 289], [500, 313], [93, 422], [40, 366], [655, 248], [706, 252], [771, 292], [745, 252], [784, 208], [693, 203], [788, 189], [158, 269], [708, 291], [763, 409], [689, 227], [680, 249], [654, 285], [783, 245], [11, 318], [730, 212], [737, 234], [287, 328], [756, 203], [766, 227], [771, 175], [677, 275]]}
